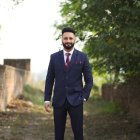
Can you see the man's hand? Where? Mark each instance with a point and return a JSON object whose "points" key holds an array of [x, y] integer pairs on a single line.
{"points": [[47, 106], [85, 100]]}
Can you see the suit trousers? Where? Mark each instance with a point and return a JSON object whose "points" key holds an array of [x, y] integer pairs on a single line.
{"points": [[76, 117]]}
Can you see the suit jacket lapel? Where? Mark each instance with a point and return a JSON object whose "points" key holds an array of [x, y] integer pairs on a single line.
{"points": [[72, 61], [73, 58], [61, 59]]}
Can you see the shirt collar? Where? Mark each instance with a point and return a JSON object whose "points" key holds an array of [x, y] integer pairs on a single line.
{"points": [[71, 52]]}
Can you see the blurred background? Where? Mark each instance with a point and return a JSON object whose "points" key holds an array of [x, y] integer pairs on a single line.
{"points": [[27, 31], [108, 32]]}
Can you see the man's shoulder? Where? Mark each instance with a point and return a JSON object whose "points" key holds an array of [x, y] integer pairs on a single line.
{"points": [[80, 52]]}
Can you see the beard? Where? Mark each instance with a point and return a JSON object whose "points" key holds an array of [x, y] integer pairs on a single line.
{"points": [[68, 46]]}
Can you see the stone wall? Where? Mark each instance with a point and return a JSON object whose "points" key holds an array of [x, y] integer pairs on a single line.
{"points": [[18, 63], [12, 80], [128, 96], [2, 88]]}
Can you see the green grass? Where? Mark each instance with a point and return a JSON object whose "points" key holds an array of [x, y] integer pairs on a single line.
{"points": [[108, 107], [98, 105], [36, 96]]}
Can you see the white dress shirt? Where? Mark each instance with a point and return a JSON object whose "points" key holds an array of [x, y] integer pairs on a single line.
{"points": [[65, 52]]}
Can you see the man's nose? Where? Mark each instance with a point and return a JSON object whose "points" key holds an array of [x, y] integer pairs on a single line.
{"points": [[68, 41]]}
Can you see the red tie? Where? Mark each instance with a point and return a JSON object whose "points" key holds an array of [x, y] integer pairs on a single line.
{"points": [[67, 59]]}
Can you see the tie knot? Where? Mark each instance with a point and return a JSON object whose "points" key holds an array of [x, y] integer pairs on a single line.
{"points": [[68, 54]]}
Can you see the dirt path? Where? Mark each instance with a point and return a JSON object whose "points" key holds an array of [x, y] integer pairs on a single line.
{"points": [[32, 123]]}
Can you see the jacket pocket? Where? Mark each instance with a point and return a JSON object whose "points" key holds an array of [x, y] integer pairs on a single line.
{"points": [[78, 89]]}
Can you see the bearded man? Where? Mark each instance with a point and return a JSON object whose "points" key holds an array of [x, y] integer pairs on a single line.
{"points": [[65, 72]]}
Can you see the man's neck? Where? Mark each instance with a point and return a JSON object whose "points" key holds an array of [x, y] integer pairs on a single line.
{"points": [[68, 50]]}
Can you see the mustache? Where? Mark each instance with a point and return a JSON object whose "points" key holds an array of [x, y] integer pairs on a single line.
{"points": [[68, 45]]}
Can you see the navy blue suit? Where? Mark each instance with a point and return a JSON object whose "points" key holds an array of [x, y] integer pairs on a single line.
{"points": [[69, 90]]}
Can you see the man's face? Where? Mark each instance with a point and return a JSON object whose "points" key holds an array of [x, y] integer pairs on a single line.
{"points": [[68, 40]]}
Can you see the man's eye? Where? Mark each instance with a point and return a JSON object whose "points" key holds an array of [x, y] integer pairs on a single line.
{"points": [[65, 38]]}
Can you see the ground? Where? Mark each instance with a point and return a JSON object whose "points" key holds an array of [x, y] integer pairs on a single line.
{"points": [[25, 121]]}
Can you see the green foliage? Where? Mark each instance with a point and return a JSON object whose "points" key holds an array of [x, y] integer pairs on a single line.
{"points": [[16, 2], [33, 94], [111, 31]]}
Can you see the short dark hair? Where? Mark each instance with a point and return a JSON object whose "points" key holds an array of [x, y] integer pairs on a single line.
{"points": [[68, 29]]}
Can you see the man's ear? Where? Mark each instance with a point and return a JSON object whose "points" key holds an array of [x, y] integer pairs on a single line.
{"points": [[75, 39]]}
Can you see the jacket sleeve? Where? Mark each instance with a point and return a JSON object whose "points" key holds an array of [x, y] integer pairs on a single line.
{"points": [[88, 79], [49, 81]]}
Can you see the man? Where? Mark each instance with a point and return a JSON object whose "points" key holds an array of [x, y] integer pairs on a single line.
{"points": [[65, 72]]}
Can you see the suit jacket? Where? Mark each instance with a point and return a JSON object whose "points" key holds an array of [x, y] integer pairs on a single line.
{"points": [[68, 83]]}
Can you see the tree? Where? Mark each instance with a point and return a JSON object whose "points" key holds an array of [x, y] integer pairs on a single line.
{"points": [[16, 2], [111, 32]]}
